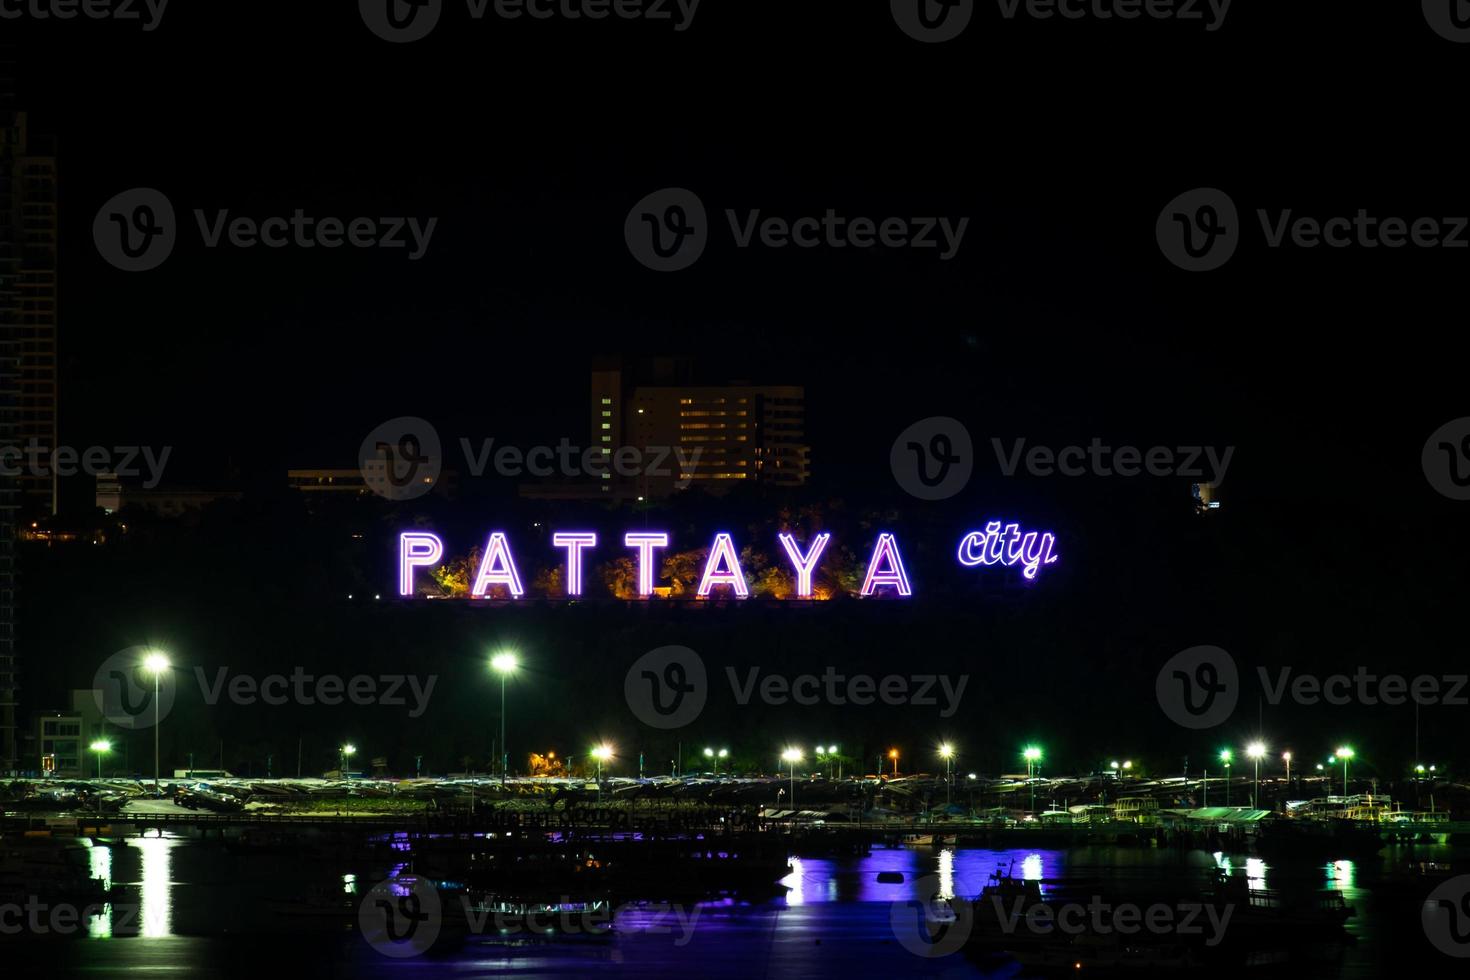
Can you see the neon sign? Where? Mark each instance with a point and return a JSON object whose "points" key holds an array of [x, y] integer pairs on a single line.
{"points": [[1004, 545], [1009, 547]]}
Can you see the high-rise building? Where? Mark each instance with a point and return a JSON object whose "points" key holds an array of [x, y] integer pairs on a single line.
{"points": [[28, 310], [686, 435], [720, 436]]}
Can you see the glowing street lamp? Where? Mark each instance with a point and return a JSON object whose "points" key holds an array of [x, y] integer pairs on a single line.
{"points": [[504, 664], [893, 754], [156, 663], [1344, 753], [346, 753], [1256, 751], [601, 753], [1225, 758], [1032, 755], [946, 752], [100, 748], [792, 756]]}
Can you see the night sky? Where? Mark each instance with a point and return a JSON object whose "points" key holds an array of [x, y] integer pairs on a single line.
{"points": [[1057, 321]]}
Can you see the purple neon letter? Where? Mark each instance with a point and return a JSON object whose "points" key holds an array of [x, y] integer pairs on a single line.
{"points": [[723, 568], [497, 568], [885, 553], [645, 543], [416, 549], [804, 564], [574, 542]]}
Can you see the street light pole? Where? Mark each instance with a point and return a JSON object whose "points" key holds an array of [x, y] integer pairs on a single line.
{"points": [[156, 663], [504, 664]]}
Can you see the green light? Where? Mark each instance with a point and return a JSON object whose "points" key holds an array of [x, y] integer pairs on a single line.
{"points": [[1031, 753]]}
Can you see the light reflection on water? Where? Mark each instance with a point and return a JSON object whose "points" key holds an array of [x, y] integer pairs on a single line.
{"points": [[196, 892], [156, 893]]}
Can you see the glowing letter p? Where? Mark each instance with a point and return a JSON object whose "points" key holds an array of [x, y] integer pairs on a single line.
{"points": [[416, 549]]}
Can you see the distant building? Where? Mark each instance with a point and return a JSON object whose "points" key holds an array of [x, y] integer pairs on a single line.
{"points": [[354, 483], [64, 738], [686, 435], [1206, 497], [113, 495], [28, 309]]}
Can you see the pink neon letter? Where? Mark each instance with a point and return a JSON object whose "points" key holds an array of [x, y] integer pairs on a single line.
{"points": [[497, 568], [805, 564], [574, 542], [722, 556], [645, 543], [886, 552], [416, 549]]}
